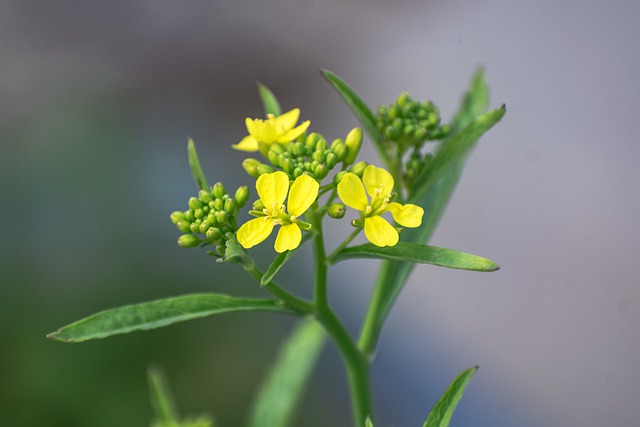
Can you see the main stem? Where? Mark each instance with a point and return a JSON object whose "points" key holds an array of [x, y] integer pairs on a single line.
{"points": [[356, 364]]}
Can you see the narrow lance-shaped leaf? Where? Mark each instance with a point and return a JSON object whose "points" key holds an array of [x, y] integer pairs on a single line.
{"points": [[360, 109], [196, 170], [451, 151], [440, 415], [414, 252], [280, 261], [474, 102], [162, 402], [281, 393], [269, 101], [159, 313]]}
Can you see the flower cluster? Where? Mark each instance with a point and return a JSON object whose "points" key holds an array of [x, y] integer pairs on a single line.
{"points": [[211, 217]]}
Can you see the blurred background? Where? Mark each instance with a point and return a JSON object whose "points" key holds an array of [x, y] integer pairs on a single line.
{"points": [[97, 100]]}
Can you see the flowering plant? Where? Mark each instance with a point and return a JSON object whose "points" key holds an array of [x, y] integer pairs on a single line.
{"points": [[303, 183]]}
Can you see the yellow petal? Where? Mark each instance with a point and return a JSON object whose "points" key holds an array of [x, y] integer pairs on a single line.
{"points": [[293, 133], [375, 178], [253, 232], [303, 193], [380, 232], [261, 130], [272, 188], [289, 238], [285, 122], [352, 193], [248, 143], [408, 215]]}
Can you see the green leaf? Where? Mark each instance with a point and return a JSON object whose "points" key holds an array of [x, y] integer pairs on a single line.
{"points": [[453, 150], [362, 112], [159, 313], [474, 102], [368, 423], [161, 399], [280, 395], [440, 415], [280, 261], [196, 170], [269, 100], [235, 253], [422, 254]]}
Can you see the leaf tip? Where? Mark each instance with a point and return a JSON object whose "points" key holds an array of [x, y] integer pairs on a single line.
{"points": [[55, 336]]}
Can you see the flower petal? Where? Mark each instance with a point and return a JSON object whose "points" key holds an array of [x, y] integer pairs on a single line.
{"points": [[261, 130], [408, 215], [380, 232], [289, 238], [352, 193], [293, 133], [375, 178], [255, 231], [285, 122], [248, 143], [272, 188], [303, 193]]}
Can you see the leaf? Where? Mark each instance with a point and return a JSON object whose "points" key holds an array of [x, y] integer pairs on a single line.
{"points": [[161, 399], [474, 102], [235, 253], [368, 422], [269, 101], [417, 253], [440, 415], [196, 170], [280, 261], [360, 109], [280, 394], [157, 314], [453, 150]]}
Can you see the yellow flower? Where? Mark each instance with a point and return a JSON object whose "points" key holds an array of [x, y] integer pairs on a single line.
{"points": [[379, 185], [274, 129], [272, 189]]}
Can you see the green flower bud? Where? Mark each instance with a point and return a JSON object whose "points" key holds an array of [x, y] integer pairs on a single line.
{"points": [[188, 215], [188, 241], [273, 157], [213, 234], [211, 218], [313, 139], [198, 213], [359, 168], [218, 190], [336, 210], [195, 203], [218, 204], [393, 111], [353, 143], [177, 216], [262, 168], [297, 149], [403, 99], [229, 205], [286, 165], [338, 177], [331, 160], [320, 171], [221, 217], [204, 226], [194, 227], [242, 195], [258, 205], [184, 226], [340, 151], [205, 196], [318, 155], [251, 167], [297, 172], [277, 148], [321, 145]]}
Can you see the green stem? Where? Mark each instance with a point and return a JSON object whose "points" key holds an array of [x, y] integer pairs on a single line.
{"points": [[357, 366], [343, 245], [289, 299]]}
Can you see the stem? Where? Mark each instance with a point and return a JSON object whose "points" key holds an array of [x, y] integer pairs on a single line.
{"points": [[343, 245], [357, 366], [373, 322], [289, 299]]}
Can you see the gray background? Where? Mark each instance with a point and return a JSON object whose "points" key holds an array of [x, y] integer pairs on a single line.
{"points": [[97, 99]]}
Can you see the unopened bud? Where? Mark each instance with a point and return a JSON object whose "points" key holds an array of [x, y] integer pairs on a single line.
{"points": [[194, 227], [188, 241], [320, 171], [205, 196], [204, 226], [331, 160], [286, 164], [338, 177], [221, 217], [353, 143], [273, 157], [297, 149], [262, 168], [184, 226], [258, 205], [277, 148], [177, 216], [198, 213], [195, 203], [242, 195], [313, 139], [218, 190], [251, 166], [229, 205], [358, 168], [336, 210], [213, 234], [318, 155]]}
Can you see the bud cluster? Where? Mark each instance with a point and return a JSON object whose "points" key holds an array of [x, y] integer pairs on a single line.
{"points": [[414, 166], [211, 217], [409, 123]]}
